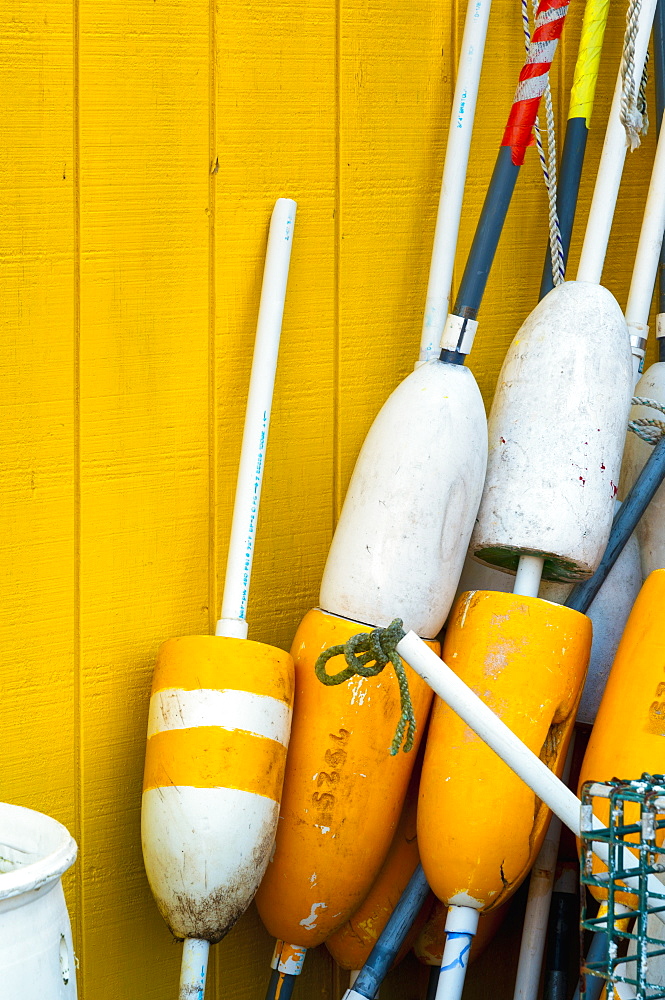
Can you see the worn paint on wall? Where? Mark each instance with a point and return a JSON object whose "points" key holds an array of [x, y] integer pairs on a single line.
{"points": [[144, 144]]}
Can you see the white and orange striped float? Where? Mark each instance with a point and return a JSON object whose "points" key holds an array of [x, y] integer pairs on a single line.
{"points": [[218, 729]]}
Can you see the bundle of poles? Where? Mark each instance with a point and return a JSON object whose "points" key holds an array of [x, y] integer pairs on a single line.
{"points": [[370, 832]]}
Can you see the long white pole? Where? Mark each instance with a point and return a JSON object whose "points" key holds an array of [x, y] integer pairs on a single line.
{"points": [[608, 180], [233, 621], [509, 747], [193, 969], [460, 131], [648, 255], [536, 916]]}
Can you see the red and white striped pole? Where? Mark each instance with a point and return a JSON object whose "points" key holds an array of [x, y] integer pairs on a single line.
{"points": [[518, 134]]}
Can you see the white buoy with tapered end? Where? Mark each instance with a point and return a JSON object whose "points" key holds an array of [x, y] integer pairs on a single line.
{"points": [[220, 710], [551, 482], [556, 425], [403, 533]]}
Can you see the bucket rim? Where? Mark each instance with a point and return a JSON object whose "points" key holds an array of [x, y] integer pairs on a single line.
{"points": [[50, 867]]}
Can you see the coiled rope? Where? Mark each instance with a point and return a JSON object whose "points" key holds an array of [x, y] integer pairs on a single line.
{"points": [[650, 430], [380, 648], [633, 102]]}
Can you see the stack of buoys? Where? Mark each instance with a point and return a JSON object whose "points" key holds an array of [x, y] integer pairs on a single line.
{"points": [[398, 550], [556, 433], [220, 709]]}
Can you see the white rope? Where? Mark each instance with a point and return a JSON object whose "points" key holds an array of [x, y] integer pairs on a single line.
{"points": [[633, 102], [646, 428], [547, 163]]}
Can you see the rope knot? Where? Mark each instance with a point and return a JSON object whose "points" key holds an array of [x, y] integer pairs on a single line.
{"points": [[378, 647]]}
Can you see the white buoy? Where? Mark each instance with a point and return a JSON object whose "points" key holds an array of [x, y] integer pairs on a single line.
{"points": [[556, 431], [556, 424], [400, 543], [36, 952]]}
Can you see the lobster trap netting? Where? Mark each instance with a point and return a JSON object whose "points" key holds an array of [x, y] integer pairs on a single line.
{"points": [[630, 917]]}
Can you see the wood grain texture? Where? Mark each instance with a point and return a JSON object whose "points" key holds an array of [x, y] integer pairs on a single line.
{"points": [[144, 431], [38, 765], [144, 146]]}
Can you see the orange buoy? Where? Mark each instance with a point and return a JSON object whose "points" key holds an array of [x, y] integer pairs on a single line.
{"points": [[479, 826], [351, 944], [633, 702], [343, 791]]}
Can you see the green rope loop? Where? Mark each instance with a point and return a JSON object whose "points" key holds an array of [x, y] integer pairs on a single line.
{"points": [[649, 430], [380, 648]]}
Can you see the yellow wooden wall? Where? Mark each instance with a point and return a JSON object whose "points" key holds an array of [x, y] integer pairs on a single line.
{"points": [[143, 145]]}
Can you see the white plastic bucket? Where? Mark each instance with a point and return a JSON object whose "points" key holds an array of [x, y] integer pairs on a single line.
{"points": [[36, 953]]}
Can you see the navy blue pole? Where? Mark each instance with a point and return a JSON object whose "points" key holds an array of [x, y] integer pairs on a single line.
{"points": [[570, 173], [598, 951], [433, 982], [488, 232], [392, 937]]}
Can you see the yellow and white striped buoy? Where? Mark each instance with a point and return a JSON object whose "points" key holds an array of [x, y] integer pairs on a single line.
{"points": [[218, 729]]}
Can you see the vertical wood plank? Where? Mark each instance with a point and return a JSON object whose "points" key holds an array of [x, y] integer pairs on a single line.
{"points": [[144, 377], [38, 760], [397, 70], [276, 136]]}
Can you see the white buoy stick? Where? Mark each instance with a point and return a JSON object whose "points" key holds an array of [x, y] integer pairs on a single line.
{"points": [[461, 927], [537, 913], [472, 710], [463, 111], [527, 578], [193, 969], [647, 257], [232, 620], [608, 180]]}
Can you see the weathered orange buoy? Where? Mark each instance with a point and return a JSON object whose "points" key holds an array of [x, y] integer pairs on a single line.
{"points": [[495, 642], [352, 943], [342, 794], [633, 702]]}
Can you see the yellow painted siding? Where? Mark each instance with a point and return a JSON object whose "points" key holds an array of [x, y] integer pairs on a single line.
{"points": [[144, 144]]}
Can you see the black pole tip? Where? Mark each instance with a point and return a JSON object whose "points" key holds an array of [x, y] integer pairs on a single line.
{"points": [[280, 986]]}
